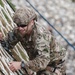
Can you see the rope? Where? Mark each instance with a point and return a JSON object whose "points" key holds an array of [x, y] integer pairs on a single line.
{"points": [[2, 72], [10, 5], [51, 25]]}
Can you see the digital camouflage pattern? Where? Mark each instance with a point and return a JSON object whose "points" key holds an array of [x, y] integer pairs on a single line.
{"points": [[40, 46]]}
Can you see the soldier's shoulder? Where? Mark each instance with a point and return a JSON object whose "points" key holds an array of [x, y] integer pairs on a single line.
{"points": [[41, 29]]}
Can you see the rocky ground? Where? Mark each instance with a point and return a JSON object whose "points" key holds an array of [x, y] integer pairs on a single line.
{"points": [[61, 14]]}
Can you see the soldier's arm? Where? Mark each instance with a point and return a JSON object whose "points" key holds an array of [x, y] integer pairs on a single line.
{"points": [[43, 48], [9, 41]]}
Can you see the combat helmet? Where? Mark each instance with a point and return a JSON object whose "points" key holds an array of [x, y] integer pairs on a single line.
{"points": [[24, 15]]}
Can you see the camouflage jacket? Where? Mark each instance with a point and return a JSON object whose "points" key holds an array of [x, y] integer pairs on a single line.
{"points": [[40, 46]]}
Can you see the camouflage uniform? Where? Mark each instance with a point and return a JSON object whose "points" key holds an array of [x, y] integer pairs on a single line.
{"points": [[41, 47]]}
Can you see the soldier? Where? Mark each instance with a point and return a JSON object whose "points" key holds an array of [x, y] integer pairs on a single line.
{"points": [[46, 57]]}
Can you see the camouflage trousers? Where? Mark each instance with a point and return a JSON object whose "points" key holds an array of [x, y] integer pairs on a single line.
{"points": [[61, 68]]}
